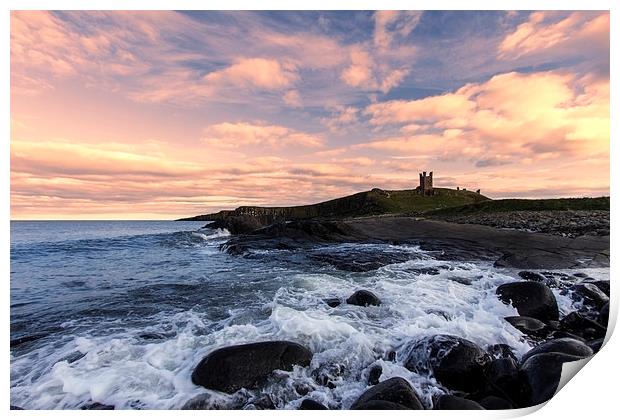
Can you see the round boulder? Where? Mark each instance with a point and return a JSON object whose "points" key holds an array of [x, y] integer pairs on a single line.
{"points": [[495, 403], [450, 402], [591, 294], [231, 368], [578, 324], [528, 325], [309, 404], [560, 345], [364, 298], [541, 374], [394, 390], [530, 299], [455, 362]]}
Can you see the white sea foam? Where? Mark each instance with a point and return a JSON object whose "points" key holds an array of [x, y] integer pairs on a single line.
{"points": [[120, 369], [219, 233]]}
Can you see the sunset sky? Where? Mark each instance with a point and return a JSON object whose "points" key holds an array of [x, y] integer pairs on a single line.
{"points": [[158, 115]]}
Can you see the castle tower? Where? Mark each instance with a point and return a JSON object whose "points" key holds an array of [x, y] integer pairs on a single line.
{"points": [[426, 184]]}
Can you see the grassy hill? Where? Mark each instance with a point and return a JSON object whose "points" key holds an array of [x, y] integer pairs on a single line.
{"points": [[367, 203], [553, 204]]}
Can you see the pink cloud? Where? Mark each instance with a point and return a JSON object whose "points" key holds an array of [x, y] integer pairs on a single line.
{"points": [[238, 134], [508, 118], [255, 72], [292, 99], [544, 34]]}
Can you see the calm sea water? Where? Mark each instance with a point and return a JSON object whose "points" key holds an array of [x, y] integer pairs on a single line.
{"points": [[120, 313]]}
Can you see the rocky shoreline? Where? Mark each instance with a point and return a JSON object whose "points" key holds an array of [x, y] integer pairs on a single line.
{"points": [[473, 378], [568, 223]]}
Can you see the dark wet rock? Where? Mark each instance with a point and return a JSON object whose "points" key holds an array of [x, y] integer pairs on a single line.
{"points": [[374, 374], [394, 390], [495, 403], [262, 402], [580, 275], [603, 317], [531, 276], [500, 351], [97, 406], [380, 405], [530, 299], [563, 334], [231, 368], [332, 302], [205, 401], [502, 376], [14, 407], [541, 373], [303, 388], [528, 325], [596, 345], [364, 298], [603, 285], [329, 374], [361, 261], [578, 324], [309, 404], [561, 345], [455, 362], [241, 224], [451, 402], [591, 294]]}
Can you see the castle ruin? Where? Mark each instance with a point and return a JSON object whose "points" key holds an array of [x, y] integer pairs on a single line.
{"points": [[426, 184]]}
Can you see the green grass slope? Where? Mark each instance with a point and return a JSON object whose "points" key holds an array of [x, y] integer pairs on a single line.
{"points": [[552, 204], [367, 203]]}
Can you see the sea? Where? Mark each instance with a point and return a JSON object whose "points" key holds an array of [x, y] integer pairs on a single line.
{"points": [[119, 313]]}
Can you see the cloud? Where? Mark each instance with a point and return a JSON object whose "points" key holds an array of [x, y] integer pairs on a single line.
{"points": [[363, 72], [255, 72], [549, 33], [341, 118], [509, 118], [392, 23], [239, 134], [292, 99]]}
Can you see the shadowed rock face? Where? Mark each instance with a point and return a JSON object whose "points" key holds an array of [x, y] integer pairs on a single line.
{"points": [[455, 362], [531, 299], [541, 374], [394, 391], [244, 366]]}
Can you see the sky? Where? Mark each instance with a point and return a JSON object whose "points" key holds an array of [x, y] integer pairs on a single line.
{"points": [[159, 115]]}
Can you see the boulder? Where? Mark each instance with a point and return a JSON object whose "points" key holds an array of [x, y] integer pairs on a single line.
{"points": [[500, 351], [591, 294], [603, 316], [205, 401], [530, 299], [309, 404], [502, 376], [374, 374], [541, 374], [364, 298], [495, 403], [332, 302], [596, 345], [531, 276], [603, 285], [394, 390], [528, 325], [97, 406], [560, 345], [231, 368], [450, 402], [576, 323], [456, 363], [380, 405]]}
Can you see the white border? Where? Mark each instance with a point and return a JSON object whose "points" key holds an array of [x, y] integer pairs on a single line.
{"points": [[591, 395]]}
